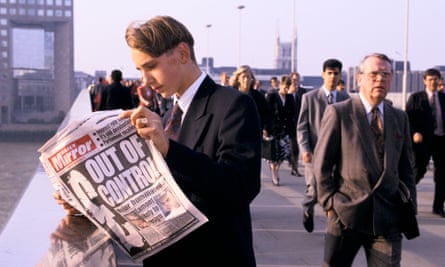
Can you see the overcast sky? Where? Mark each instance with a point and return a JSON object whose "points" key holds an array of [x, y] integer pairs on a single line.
{"points": [[343, 29]]}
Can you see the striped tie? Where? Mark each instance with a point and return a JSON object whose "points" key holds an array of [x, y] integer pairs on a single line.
{"points": [[174, 123]]}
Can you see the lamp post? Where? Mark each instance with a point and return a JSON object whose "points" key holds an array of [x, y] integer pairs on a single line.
{"points": [[293, 52], [240, 7], [405, 61], [208, 26]]}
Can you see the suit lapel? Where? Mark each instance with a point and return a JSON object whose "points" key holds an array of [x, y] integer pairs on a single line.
{"points": [[196, 117], [322, 100], [362, 127]]}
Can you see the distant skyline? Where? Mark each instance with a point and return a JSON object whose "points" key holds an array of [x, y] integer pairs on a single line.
{"points": [[343, 29]]}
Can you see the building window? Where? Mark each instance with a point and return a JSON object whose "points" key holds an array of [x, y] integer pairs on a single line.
{"points": [[31, 2], [12, 11], [12, 1], [4, 43], [31, 12], [49, 2], [4, 54], [58, 13], [58, 2], [3, 11], [68, 3], [3, 22], [2, 1], [22, 11], [50, 12], [3, 33], [68, 13], [41, 12], [40, 2], [22, 2]]}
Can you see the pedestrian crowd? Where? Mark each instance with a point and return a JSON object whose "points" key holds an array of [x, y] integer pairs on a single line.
{"points": [[362, 156]]}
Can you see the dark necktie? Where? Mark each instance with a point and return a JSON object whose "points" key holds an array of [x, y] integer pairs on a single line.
{"points": [[174, 123], [330, 98], [377, 129], [434, 110]]}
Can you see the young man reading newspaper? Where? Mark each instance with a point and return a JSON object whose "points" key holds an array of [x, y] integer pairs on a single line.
{"points": [[216, 159]]}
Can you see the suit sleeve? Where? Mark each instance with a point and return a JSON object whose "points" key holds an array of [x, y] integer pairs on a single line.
{"points": [[303, 131], [326, 156], [406, 163], [231, 175]]}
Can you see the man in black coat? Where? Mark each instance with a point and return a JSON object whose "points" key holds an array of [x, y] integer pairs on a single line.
{"points": [[426, 112], [116, 95]]}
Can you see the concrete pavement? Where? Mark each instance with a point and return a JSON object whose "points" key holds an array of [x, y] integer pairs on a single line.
{"points": [[281, 240]]}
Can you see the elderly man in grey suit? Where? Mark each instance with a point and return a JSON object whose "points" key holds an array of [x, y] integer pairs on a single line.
{"points": [[312, 107], [362, 158]]}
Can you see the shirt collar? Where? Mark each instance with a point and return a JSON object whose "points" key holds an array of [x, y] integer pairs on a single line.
{"points": [[186, 99], [368, 107], [327, 92]]}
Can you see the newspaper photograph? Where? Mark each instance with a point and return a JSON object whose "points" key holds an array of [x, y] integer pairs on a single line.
{"points": [[120, 182]]}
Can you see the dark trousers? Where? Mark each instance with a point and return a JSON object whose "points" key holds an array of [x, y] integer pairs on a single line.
{"points": [[293, 155], [342, 245], [438, 155]]}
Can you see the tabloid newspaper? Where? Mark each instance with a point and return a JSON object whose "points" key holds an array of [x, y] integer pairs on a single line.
{"points": [[120, 182]]}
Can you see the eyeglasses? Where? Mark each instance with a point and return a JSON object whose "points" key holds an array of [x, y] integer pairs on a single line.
{"points": [[373, 74]]}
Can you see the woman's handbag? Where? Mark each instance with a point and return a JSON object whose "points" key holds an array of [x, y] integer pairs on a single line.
{"points": [[267, 148]]}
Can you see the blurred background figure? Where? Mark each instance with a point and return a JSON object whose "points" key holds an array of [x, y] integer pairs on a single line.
{"points": [[95, 90], [224, 78], [340, 85], [281, 125], [115, 95], [297, 92], [441, 85], [244, 80]]}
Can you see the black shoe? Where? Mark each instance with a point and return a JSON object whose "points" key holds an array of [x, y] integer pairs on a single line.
{"points": [[441, 213], [308, 222], [295, 173]]}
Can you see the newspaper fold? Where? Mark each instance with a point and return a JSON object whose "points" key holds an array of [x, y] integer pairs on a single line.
{"points": [[120, 182]]}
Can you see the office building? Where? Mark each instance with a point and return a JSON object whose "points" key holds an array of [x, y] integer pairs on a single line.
{"points": [[36, 60]]}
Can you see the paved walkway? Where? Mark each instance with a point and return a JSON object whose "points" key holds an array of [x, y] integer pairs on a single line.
{"points": [[281, 240]]}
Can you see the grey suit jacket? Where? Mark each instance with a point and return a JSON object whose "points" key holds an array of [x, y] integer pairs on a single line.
{"points": [[363, 194], [313, 106]]}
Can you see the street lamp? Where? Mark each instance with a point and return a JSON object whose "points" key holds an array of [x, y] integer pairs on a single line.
{"points": [[405, 60], [208, 26], [240, 7]]}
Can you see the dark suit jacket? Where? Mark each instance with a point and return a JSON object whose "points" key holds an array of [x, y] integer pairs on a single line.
{"points": [[217, 163], [116, 96], [261, 104], [420, 116], [363, 194], [282, 116], [298, 97]]}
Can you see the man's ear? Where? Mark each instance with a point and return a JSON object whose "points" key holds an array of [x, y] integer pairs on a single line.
{"points": [[184, 52]]}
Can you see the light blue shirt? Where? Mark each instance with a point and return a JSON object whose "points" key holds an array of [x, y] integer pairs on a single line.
{"points": [[368, 109]]}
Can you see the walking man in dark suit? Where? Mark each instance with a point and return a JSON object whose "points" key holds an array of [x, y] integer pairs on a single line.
{"points": [[216, 159], [115, 95], [362, 158], [426, 112], [297, 91], [313, 106]]}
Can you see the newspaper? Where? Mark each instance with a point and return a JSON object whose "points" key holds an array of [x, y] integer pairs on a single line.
{"points": [[119, 181]]}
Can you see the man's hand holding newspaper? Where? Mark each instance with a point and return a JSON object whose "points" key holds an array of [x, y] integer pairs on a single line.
{"points": [[103, 169]]}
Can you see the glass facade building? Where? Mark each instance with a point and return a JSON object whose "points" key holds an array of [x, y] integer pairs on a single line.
{"points": [[36, 60]]}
